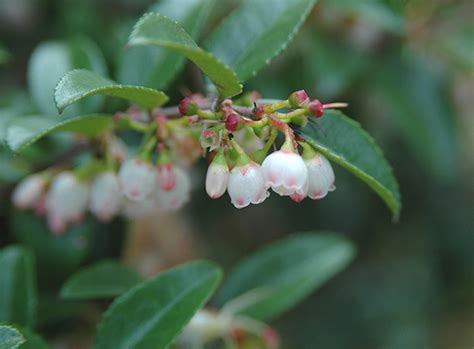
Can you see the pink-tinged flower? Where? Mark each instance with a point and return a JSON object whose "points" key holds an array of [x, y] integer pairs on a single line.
{"points": [[105, 197], [66, 201], [217, 176], [28, 192], [137, 179], [320, 176], [247, 185], [174, 199], [285, 172], [117, 149], [166, 176], [298, 99], [316, 108]]}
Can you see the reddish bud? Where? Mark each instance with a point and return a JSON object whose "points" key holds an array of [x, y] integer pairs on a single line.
{"points": [[316, 108], [231, 122], [298, 99], [188, 106], [259, 111], [271, 338]]}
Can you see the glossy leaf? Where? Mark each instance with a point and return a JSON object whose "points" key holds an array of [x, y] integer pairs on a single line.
{"points": [[257, 32], [276, 278], [24, 131], [103, 279], [162, 65], [17, 286], [33, 341], [347, 144], [10, 337], [50, 61], [155, 29], [81, 83], [153, 313]]}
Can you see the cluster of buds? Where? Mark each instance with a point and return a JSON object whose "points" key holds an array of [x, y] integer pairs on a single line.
{"points": [[238, 135]]}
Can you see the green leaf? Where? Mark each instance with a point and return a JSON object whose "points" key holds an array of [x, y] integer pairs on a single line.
{"points": [[155, 29], [17, 286], [347, 144], [80, 83], [10, 338], [50, 61], [257, 32], [33, 341], [103, 279], [153, 313], [5, 56], [163, 65], [279, 276], [24, 131]]}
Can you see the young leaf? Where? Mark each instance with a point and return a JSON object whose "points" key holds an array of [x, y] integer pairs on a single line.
{"points": [[347, 144], [163, 65], [24, 131], [80, 83], [10, 337], [257, 32], [17, 286], [50, 61], [155, 29], [279, 276], [101, 280], [153, 313]]}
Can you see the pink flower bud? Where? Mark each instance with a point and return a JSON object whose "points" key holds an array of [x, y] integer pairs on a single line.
{"points": [[316, 108], [28, 192], [217, 176], [137, 179], [285, 172], [176, 198], [320, 176], [231, 122], [191, 104], [66, 201], [166, 176], [105, 198], [298, 99], [247, 185]]}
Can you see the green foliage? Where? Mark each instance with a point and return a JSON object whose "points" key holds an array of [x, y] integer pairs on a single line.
{"points": [[162, 65], [343, 141], [25, 131], [257, 32], [5, 56], [81, 83], [101, 280], [50, 61], [274, 279], [33, 341], [153, 313], [155, 29], [10, 338], [17, 286]]}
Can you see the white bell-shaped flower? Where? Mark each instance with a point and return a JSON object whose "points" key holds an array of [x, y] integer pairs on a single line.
{"points": [[66, 201], [137, 179], [320, 176], [105, 197], [166, 176], [285, 172], [247, 185], [174, 199], [217, 176], [28, 192]]}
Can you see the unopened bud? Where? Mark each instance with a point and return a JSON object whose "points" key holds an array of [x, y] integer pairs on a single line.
{"points": [[298, 99], [316, 108], [231, 122], [188, 106]]}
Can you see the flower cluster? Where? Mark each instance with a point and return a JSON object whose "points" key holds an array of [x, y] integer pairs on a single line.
{"points": [[237, 135]]}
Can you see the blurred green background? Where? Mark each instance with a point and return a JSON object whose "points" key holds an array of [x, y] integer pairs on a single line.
{"points": [[407, 70]]}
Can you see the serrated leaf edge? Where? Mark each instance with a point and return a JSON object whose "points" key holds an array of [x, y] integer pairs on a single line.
{"points": [[22, 338]]}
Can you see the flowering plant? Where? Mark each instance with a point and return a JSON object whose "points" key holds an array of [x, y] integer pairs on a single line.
{"points": [[137, 161]]}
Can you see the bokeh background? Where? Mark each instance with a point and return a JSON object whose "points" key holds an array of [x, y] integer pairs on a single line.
{"points": [[407, 70]]}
